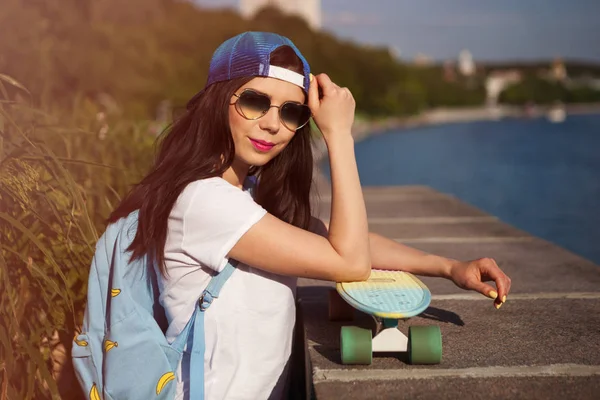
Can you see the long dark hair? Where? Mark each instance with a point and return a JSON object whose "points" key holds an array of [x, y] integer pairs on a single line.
{"points": [[199, 145]]}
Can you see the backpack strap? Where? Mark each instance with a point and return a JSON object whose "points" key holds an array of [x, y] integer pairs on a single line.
{"points": [[215, 285], [196, 326]]}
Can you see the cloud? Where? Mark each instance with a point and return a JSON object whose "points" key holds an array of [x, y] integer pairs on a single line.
{"points": [[351, 19]]}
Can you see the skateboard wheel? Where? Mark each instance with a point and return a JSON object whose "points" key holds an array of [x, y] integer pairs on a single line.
{"points": [[356, 345], [339, 310], [424, 345]]}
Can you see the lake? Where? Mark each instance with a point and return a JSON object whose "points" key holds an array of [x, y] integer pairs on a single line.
{"points": [[541, 177]]}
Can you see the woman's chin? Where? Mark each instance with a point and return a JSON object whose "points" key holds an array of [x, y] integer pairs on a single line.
{"points": [[257, 160]]}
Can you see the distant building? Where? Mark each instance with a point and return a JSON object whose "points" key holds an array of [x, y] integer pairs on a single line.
{"points": [[449, 71], [466, 65], [394, 52], [499, 80], [588, 81], [557, 70], [310, 10], [422, 60]]}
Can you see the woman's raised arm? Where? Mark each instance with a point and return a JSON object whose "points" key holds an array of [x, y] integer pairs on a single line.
{"points": [[278, 247]]}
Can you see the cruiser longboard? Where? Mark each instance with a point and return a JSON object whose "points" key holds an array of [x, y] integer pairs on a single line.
{"points": [[389, 296]]}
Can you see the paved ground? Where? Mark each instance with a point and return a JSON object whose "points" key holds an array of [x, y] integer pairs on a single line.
{"points": [[543, 343]]}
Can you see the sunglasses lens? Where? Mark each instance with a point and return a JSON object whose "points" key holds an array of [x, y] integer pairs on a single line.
{"points": [[253, 105], [294, 115]]}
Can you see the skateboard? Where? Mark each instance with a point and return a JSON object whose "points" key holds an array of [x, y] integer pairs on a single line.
{"points": [[389, 296]]}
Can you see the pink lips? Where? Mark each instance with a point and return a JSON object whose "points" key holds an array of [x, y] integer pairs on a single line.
{"points": [[262, 145]]}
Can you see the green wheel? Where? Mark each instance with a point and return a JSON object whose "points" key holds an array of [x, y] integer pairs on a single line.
{"points": [[424, 345], [355, 345]]}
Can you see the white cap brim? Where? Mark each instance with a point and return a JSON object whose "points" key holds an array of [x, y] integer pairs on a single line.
{"points": [[286, 75]]}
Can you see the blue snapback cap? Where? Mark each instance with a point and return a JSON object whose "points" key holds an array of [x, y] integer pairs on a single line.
{"points": [[248, 54]]}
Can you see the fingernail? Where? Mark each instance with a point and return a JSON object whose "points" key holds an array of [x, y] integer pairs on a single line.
{"points": [[503, 299], [498, 305], [493, 294], [312, 77]]}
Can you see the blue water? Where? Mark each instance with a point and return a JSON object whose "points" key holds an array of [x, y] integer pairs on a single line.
{"points": [[541, 177]]}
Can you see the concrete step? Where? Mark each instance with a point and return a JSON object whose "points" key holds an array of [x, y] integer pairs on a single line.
{"points": [[514, 388]]}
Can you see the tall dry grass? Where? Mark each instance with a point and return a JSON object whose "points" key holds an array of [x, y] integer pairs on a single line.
{"points": [[60, 176]]}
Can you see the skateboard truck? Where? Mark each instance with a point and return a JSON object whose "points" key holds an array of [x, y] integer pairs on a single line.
{"points": [[388, 338]]}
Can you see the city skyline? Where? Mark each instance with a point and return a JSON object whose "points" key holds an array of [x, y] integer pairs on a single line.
{"points": [[492, 31]]}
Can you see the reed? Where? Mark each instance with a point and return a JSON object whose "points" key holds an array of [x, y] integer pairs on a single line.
{"points": [[61, 173]]}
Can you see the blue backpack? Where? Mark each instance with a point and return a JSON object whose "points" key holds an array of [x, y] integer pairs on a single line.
{"points": [[122, 352]]}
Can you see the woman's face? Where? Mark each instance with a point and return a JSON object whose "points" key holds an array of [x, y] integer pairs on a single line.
{"points": [[258, 141]]}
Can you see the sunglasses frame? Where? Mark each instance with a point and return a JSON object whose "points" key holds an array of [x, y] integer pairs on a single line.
{"points": [[238, 109]]}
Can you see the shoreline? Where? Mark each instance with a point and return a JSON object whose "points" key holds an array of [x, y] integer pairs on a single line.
{"points": [[363, 129]]}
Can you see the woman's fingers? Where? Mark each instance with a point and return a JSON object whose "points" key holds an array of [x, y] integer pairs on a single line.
{"points": [[492, 272], [474, 274], [484, 289], [334, 111], [313, 94], [348, 94], [326, 84], [320, 86]]}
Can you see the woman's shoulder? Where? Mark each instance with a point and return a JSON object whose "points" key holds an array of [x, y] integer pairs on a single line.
{"points": [[215, 189], [212, 201], [203, 189], [219, 183], [214, 181]]}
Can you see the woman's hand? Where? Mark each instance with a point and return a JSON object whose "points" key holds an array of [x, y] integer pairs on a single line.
{"points": [[334, 112], [472, 275]]}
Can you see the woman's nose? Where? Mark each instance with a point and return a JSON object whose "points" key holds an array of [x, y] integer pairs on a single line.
{"points": [[270, 121]]}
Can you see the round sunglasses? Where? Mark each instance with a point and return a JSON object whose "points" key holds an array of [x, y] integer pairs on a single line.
{"points": [[253, 105]]}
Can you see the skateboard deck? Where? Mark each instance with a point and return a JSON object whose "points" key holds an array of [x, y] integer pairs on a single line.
{"points": [[387, 294]]}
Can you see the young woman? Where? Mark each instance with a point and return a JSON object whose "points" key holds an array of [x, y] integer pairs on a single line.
{"points": [[232, 180]]}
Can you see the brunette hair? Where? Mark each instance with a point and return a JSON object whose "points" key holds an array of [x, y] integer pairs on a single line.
{"points": [[199, 145]]}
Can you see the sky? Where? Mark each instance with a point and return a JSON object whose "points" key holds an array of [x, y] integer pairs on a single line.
{"points": [[492, 30]]}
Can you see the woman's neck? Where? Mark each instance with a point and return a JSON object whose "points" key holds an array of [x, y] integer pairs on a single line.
{"points": [[236, 174]]}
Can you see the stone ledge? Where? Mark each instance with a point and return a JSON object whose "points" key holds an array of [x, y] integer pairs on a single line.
{"points": [[543, 343]]}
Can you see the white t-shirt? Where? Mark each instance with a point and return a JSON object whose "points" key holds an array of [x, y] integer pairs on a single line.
{"points": [[249, 327]]}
